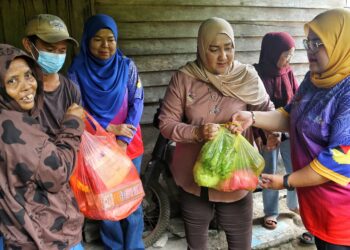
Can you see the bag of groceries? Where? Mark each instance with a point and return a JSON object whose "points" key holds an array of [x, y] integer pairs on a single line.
{"points": [[105, 182], [228, 162]]}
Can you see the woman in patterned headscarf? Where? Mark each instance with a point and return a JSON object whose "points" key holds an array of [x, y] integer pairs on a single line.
{"points": [[200, 96], [37, 208], [318, 120]]}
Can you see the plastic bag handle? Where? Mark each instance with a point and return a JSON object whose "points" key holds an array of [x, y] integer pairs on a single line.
{"points": [[90, 119]]}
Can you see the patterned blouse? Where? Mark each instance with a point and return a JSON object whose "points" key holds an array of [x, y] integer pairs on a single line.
{"points": [[37, 207], [320, 137]]}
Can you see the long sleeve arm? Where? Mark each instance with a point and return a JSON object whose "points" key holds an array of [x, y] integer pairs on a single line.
{"points": [[58, 158]]}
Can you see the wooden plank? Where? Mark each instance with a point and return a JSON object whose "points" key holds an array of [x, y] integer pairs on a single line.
{"points": [[33, 8], [146, 30], [12, 22], [300, 69], [143, 13], [173, 62], [157, 78], [151, 101], [148, 113], [132, 47], [153, 94], [78, 12], [252, 3], [73, 13], [161, 62], [162, 78]]}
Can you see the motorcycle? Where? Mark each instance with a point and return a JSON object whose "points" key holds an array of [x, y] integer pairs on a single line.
{"points": [[161, 192]]}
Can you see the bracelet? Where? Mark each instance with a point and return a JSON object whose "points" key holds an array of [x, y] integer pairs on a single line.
{"points": [[197, 137], [286, 184], [253, 117]]}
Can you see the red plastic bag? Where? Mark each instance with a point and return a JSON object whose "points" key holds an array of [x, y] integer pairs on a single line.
{"points": [[105, 182]]}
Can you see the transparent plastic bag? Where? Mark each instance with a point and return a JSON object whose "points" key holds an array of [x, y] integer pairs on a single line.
{"points": [[228, 163], [105, 182]]}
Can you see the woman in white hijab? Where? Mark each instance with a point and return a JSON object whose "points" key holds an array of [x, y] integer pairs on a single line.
{"points": [[200, 96]]}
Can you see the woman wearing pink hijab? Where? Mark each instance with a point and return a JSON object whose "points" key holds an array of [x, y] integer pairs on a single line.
{"points": [[277, 48]]}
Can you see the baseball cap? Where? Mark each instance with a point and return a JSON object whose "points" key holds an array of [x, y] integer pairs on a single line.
{"points": [[49, 28]]}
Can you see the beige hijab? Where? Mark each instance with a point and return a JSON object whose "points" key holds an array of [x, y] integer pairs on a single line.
{"points": [[241, 81]]}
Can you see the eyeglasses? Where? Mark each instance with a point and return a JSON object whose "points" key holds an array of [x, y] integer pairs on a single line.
{"points": [[312, 45]]}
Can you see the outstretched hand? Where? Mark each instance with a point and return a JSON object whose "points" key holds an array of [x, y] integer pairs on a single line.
{"points": [[271, 181], [234, 127], [244, 118]]}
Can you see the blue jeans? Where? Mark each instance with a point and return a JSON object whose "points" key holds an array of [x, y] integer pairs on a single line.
{"points": [[270, 197], [78, 247], [1, 242], [127, 233]]}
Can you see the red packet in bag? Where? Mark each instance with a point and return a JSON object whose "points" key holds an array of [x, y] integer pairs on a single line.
{"points": [[105, 182]]}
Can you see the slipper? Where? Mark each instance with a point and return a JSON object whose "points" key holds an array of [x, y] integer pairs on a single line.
{"points": [[295, 210], [307, 238], [270, 222]]}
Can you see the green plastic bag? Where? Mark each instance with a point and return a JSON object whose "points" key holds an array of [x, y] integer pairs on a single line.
{"points": [[228, 163]]}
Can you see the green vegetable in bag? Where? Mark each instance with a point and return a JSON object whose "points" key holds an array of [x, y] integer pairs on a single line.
{"points": [[228, 163]]}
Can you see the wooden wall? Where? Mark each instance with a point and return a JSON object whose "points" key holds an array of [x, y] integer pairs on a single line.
{"points": [[160, 35], [14, 14]]}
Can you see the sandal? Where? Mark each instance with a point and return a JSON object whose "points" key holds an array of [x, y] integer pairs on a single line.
{"points": [[307, 238], [270, 222], [295, 210]]}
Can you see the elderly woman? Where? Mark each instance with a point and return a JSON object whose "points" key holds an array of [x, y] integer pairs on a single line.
{"points": [[318, 122], [200, 96], [37, 207]]}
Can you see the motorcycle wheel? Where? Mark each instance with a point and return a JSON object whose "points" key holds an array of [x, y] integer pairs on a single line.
{"points": [[156, 213]]}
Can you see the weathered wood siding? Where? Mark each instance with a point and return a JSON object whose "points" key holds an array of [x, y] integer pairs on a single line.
{"points": [[14, 14], [160, 35]]}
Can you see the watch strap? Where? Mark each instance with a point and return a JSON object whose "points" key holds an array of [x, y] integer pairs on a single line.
{"points": [[286, 184]]}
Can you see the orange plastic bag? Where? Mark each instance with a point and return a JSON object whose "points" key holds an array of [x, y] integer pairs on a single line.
{"points": [[105, 182]]}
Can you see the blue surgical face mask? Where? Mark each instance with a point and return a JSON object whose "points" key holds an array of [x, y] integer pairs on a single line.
{"points": [[50, 63]]}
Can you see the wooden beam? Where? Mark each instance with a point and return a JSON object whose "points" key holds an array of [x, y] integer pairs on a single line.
{"points": [[251, 3], [147, 13]]}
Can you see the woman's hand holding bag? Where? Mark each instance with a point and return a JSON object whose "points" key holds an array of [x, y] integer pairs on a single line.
{"points": [[105, 182]]}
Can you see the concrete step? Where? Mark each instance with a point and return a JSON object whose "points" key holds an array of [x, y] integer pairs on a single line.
{"points": [[285, 236]]}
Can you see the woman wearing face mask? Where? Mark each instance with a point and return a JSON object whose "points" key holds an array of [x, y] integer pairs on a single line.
{"points": [[200, 96], [317, 119], [112, 92], [47, 40], [37, 208]]}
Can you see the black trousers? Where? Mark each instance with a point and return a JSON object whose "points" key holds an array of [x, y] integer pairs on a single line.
{"points": [[323, 245], [235, 218]]}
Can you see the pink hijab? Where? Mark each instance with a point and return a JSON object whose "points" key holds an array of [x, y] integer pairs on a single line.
{"points": [[280, 84]]}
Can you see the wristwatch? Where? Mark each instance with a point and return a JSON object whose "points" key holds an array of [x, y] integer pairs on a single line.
{"points": [[286, 184]]}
